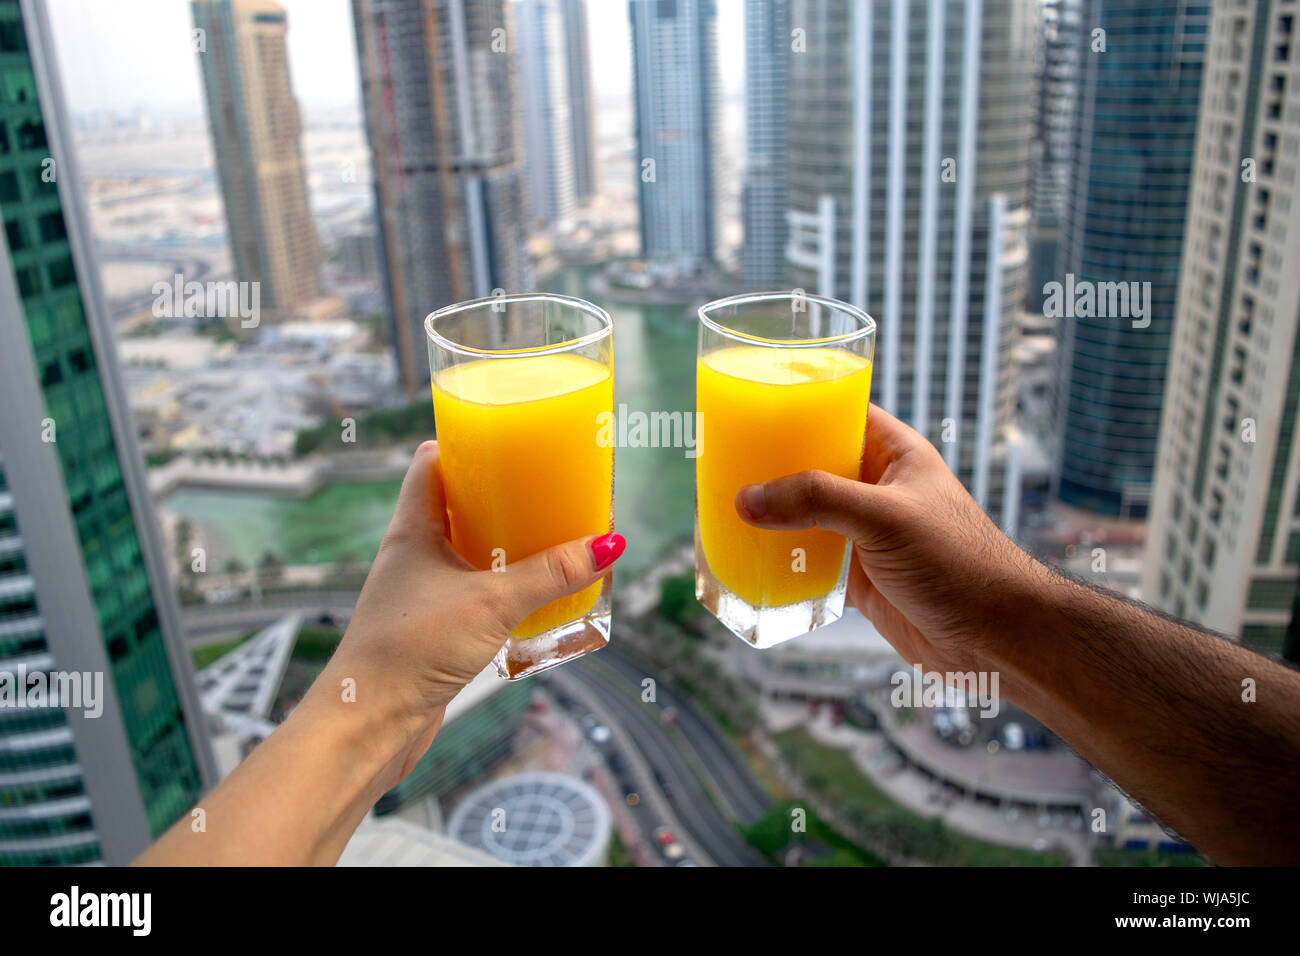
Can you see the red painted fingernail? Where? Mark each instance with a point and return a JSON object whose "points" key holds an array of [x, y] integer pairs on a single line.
{"points": [[606, 549]]}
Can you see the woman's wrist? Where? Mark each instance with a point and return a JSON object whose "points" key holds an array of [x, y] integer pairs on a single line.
{"points": [[364, 744]]}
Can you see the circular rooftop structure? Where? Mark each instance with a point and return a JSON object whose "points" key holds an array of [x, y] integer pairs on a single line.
{"points": [[535, 819]]}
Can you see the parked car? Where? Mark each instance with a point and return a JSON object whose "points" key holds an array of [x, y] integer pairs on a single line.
{"points": [[668, 844]]}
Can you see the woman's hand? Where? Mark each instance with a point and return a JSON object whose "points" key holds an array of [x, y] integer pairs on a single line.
{"points": [[425, 625]]}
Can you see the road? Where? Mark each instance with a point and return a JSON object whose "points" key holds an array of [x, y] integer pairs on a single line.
{"points": [[710, 788], [210, 620]]}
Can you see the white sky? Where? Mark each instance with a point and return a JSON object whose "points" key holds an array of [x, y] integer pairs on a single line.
{"points": [[124, 55]]}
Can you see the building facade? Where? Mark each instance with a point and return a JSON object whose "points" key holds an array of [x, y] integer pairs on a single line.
{"points": [[1058, 86], [769, 44], [909, 177], [1223, 546], [438, 88], [257, 142], [582, 122], [544, 102], [1140, 65], [676, 91], [83, 579]]}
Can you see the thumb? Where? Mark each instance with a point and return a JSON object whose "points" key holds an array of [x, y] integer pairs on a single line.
{"points": [[855, 509], [564, 569]]}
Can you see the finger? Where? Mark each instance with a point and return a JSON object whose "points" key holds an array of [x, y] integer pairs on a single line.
{"points": [[855, 509], [564, 569], [887, 442], [421, 503]]}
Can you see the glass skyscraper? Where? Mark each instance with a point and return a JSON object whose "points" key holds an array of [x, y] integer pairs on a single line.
{"points": [[763, 204], [83, 585], [1123, 222], [676, 91], [908, 185]]}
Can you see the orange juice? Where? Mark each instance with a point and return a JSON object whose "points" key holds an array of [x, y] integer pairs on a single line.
{"points": [[521, 464], [765, 413]]}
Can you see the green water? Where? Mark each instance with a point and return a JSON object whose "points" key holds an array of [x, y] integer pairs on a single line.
{"points": [[654, 370], [345, 520]]}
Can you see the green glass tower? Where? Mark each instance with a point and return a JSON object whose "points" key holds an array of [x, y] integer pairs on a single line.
{"points": [[83, 584]]}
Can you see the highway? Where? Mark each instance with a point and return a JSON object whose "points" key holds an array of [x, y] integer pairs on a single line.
{"points": [[711, 789]]}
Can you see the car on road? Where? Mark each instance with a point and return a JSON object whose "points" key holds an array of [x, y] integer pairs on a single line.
{"points": [[616, 763], [663, 783], [668, 844]]}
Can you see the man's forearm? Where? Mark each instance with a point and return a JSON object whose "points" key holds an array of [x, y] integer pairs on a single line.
{"points": [[1202, 732]]}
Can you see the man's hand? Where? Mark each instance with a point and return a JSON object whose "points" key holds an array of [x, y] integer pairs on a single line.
{"points": [[1157, 705], [930, 570]]}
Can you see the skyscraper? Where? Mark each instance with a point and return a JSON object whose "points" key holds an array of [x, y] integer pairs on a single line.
{"points": [[544, 106], [1123, 223], [909, 143], [581, 116], [437, 83], [256, 138], [1223, 545], [676, 91], [768, 44], [83, 581], [1058, 58]]}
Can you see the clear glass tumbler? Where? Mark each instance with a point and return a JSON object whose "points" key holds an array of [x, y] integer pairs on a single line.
{"points": [[783, 383], [521, 384]]}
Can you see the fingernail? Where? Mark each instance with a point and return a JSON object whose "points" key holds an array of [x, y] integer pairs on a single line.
{"points": [[606, 549], [754, 498]]}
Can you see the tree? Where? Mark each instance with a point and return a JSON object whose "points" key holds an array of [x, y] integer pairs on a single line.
{"points": [[677, 599], [270, 569]]}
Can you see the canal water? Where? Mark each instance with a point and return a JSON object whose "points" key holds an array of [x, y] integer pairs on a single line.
{"points": [[654, 371]]}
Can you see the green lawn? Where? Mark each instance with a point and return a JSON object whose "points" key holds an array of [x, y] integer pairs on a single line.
{"points": [[832, 775], [777, 831], [316, 643], [205, 655], [313, 644], [1119, 856]]}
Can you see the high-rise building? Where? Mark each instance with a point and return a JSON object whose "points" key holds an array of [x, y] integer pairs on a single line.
{"points": [[83, 579], [438, 87], [1223, 545], [256, 138], [768, 47], [1123, 223], [909, 175], [582, 124], [678, 122], [544, 107], [1058, 83]]}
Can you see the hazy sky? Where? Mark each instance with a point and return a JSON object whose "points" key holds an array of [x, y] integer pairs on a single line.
{"points": [[124, 54]]}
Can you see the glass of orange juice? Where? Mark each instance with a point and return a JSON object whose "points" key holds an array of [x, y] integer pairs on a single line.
{"points": [[520, 386], [783, 382]]}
